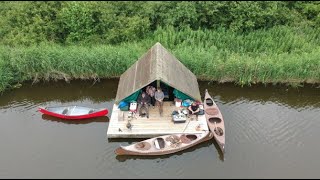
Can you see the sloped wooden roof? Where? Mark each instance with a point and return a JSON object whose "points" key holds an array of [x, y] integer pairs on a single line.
{"points": [[158, 64]]}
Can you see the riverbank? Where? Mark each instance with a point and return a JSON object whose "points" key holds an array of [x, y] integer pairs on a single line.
{"points": [[279, 55]]}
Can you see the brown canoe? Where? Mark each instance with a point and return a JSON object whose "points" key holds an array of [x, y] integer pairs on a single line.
{"points": [[215, 120], [166, 144]]}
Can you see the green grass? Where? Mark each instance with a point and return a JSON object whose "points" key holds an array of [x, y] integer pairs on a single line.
{"points": [[279, 55]]}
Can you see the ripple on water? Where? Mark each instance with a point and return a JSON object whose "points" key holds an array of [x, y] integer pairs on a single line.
{"points": [[21, 106], [245, 124]]}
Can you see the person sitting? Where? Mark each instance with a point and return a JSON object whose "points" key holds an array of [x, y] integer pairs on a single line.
{"points": [[159, 96], [143, 103], [151, 91], [194, 109]]}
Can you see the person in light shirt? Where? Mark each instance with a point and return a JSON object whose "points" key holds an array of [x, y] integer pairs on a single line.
{"points": [[159, 96]]}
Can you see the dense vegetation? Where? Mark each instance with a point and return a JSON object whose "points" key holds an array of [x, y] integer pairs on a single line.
{"points": [[245, 42]]}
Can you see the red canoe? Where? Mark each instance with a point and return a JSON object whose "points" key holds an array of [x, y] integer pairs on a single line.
{"points": [[73, 112]]}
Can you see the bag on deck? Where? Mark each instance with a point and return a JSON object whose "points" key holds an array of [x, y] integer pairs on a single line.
{"points": [[123, 106]]}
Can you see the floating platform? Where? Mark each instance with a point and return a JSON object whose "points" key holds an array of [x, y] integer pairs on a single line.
{"points": [[155, 125]]}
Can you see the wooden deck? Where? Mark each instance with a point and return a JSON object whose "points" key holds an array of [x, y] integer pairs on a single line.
{"points": [[143, 127]]}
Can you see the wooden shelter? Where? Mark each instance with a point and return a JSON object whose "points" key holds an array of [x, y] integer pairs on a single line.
{"points": [[159, 65]]}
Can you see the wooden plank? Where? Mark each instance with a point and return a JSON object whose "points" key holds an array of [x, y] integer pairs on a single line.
{"points": [[155, 125]]}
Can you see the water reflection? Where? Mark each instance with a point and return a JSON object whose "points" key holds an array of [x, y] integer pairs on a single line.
{"points": [[77, 121]]}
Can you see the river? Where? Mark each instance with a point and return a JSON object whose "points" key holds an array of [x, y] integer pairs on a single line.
{"points": [[271, 132]]}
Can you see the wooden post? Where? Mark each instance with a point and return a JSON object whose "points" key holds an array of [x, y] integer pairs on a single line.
{"points": [[158, 84]]}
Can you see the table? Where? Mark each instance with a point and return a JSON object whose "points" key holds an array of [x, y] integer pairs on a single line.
{"points": [[179, 118]]}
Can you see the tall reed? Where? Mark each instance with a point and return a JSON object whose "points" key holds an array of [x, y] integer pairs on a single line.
{"points": [[278, 55]]}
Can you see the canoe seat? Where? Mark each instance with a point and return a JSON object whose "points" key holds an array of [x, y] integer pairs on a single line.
{"points": [[159, 143], [156, 143], [65, 111]]}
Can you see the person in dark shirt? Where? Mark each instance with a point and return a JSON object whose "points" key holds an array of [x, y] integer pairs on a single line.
{"points": [[143, 103], [150, 90], [194, 109]]}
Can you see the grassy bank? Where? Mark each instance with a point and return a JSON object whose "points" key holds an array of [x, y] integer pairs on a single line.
{"points": [[278, 55], [53, 62]]}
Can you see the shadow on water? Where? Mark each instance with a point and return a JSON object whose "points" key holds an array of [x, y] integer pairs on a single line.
{"points": [[221, 154], [295, 97], [123, 158], [106, 90], [63, 92], [77, 121]]}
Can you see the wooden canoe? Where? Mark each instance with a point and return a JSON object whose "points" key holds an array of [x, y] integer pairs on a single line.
{"points": [[215, 120], [166, 144], [73, 112]]}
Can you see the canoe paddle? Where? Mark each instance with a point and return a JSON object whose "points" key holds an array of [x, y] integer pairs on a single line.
{"points": [[186, 126]]}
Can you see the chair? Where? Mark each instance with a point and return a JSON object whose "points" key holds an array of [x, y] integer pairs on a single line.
{"points": [[133, 109], [65, 111]]}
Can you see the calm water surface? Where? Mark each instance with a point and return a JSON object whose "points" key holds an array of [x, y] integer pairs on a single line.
{"points": [[271, 132]]}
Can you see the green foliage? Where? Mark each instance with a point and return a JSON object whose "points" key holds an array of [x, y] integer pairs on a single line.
{"points": [[312, 12], [26, 23], [114, 22], [127, 29], [78, 20]]}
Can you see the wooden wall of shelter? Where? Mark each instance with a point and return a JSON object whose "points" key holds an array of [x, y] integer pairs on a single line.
{"points": [[158, 64]]}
